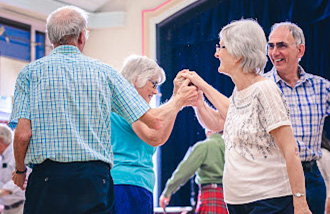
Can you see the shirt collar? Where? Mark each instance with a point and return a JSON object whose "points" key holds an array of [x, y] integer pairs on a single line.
{"points": [[66, 49], [304, 77]]}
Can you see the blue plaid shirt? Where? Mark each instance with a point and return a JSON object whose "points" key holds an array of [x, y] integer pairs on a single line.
{"points": [[69, 98], [309, 104]]}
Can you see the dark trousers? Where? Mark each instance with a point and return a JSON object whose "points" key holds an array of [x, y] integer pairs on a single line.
{"points": [[77, 187], [281, 205], [315, 187], [131, 199]]}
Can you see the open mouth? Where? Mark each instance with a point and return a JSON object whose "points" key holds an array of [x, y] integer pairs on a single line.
{"points": [[278, 60]]}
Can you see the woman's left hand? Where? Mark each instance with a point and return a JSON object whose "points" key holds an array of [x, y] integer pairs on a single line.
{"points": [[194, 78]]}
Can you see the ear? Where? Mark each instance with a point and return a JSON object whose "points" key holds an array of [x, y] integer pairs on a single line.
{"points": [[81, 37], [301, 49]]}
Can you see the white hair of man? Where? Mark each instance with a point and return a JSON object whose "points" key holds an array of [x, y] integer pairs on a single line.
{"points": [[296, 31], [65, 24], [139, 69], [246, 40], [6, 134]]}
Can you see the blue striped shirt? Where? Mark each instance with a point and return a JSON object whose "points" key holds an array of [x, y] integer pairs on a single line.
{"points": [[309, 104], [69, 98]]}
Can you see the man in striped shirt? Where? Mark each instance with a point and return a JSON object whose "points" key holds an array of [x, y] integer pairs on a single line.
{"points": [[308, 98], [61, 111]]}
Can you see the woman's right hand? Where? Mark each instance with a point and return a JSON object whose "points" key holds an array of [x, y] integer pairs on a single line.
{"points": [[164, 201]]}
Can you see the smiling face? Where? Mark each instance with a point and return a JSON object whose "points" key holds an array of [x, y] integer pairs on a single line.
{"points": [[227, 61], [148, 90], [283, 51]]}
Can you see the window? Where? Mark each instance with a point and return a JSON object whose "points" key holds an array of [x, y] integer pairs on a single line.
{"points": [[15, 41]]}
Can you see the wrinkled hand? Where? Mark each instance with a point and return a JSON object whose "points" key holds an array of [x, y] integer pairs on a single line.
{"points": [[194, 78], [164, 201], [327, 206], [200, 99], [20, 180], [300, 206], [178, 80], [187, 95]]}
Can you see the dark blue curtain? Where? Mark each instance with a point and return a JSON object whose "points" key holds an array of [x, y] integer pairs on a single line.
{"points": [[187, 40]]}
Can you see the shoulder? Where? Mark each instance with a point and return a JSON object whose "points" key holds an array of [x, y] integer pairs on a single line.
{"points": [[315, 79]]}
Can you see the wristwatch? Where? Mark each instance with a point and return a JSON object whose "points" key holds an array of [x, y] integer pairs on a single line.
{"points": [[299, 194], [21, 172]]}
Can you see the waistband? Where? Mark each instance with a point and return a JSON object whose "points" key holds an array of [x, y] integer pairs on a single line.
{"points": [[211, 185], [308, 165], [14, 205]]}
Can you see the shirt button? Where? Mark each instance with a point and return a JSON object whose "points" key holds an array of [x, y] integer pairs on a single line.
{"points": [[103, 181], [46, 179]]}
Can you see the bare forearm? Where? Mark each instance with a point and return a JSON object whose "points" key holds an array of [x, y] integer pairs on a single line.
{"points": [[22, 138], [208, 117], [296, 175], [219, 101]]}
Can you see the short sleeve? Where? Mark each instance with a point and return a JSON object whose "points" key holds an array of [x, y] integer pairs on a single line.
{"points": [[276, 111], [126, 100], [21, 104]]}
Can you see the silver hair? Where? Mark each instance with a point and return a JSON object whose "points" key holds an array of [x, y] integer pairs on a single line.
{"points": [[296, 31], [246, 40], [65, 24], [139, 69], [6, 134]]}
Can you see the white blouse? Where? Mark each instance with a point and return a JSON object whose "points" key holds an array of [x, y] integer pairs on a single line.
{"points": [[255, 168]]}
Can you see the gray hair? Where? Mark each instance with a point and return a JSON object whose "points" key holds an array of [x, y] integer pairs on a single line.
{"points": [[65, 24], [246, 39], [296, 31], [139, 69], [6, 134]]}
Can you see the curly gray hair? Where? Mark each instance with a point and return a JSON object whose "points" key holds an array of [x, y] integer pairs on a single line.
{"points": [[139, 69], [6, 134]]}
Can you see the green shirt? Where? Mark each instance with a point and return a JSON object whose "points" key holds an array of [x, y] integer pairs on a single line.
{"points": [[206, 159]]}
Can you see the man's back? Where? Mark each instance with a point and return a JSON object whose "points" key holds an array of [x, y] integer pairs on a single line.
{"points": [[70, 100]]}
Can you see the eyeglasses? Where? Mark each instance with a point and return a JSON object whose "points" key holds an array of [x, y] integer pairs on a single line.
{"points": [[218, 47], [154, 83], [279, 45]]}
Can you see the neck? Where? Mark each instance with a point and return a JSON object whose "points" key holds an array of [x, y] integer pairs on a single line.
{"points": [[243, 80], [291, 78]]}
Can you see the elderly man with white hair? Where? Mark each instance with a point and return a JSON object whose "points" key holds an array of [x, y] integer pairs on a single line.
{"points": [[11, 195]]}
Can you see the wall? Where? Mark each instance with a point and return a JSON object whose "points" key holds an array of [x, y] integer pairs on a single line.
{"points": [[110, 45]]}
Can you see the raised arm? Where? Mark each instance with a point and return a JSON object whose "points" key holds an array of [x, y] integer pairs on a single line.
{"points": [[288, 146], [166, 114]]}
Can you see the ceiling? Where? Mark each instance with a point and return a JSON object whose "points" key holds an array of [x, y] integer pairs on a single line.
{"points": [[88, 5], [41, 8]]}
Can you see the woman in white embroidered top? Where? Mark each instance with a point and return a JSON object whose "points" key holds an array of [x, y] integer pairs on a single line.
{"points": [[263, 172]]}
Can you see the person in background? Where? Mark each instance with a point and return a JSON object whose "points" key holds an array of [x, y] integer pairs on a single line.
{"points": [[262, 173], [308, 98], [61, 111], [206, 159], [324, 166], [11, 195], [134, 145]]}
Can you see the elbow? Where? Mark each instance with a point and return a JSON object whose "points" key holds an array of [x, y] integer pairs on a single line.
{"points": [[23, 138], [155, 141]]}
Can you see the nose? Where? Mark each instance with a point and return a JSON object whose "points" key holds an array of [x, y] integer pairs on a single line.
{"points": [[216, 54], [155, 91]]}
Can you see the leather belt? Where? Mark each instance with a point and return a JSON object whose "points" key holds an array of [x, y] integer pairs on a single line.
{"points": [[308, 165], [15, 205]]}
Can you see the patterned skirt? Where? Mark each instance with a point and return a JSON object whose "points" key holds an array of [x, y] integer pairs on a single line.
{"points": [[210, 200]]}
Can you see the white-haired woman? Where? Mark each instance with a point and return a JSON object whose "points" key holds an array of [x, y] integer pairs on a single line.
{"points": [[262, 166], [134, 145]]}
